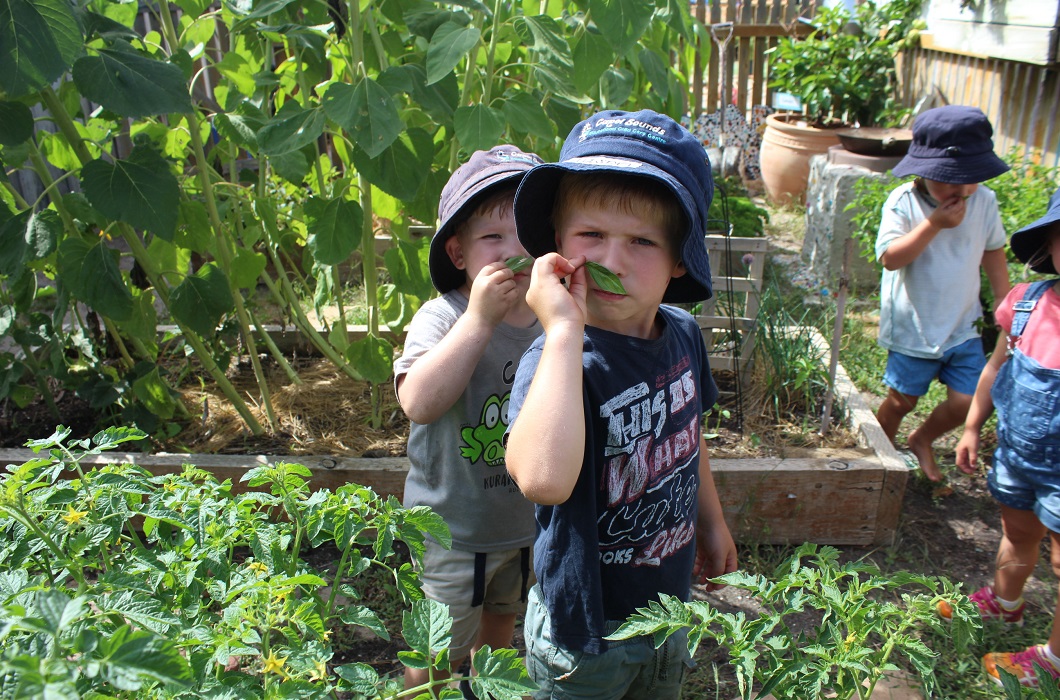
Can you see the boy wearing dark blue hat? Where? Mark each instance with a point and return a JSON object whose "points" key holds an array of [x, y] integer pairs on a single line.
{"points": [[607, 404], [453, 381], [935, 234]]}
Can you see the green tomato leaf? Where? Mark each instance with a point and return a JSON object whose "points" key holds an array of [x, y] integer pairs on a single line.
{"points": [[92, 273], [519, 262], [334, 227], [361, 678], [130, 659], [427, 627], [604, 278], [363, 616], [131, 84], [372, 357], [140, 190], [39, 39], [449, 44], [202, 299], [478, 127], [367, 112], [16, 123]]}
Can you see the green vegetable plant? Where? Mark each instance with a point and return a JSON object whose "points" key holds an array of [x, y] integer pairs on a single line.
{"points": [[864, 622], [244, 146], [118, 583]]}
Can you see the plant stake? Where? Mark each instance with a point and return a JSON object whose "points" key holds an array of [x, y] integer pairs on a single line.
{"points": [[837, 334]]}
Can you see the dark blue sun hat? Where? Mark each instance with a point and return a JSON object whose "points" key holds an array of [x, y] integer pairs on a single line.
{"points": [[952, 144], [484, 173], [1029, 242], [639, 144]]}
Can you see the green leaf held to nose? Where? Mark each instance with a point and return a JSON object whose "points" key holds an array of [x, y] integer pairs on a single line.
{"points": [[604, 278], [518, 263]]}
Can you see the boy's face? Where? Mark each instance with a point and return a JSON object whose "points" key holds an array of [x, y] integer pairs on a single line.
{"points": [[634, 247], [942, 192], [486, 238]]}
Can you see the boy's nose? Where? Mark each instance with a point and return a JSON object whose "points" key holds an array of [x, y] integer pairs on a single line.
{"points": [[966, 190]]}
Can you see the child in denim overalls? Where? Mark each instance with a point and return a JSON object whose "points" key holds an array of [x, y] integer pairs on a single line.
{"points": [[1022, 380]]}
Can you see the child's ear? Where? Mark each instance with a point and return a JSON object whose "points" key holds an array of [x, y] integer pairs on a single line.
{"points": [[679, 270], [455, 252]]}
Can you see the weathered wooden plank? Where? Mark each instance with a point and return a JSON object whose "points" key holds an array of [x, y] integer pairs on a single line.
{"points": [[1034, 13], [1014, 43]]}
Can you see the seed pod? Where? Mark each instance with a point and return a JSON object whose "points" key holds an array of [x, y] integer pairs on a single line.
{"points": [[604, 278]]}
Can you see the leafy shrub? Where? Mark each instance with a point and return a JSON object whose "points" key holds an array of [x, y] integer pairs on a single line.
{"points": [[747, 218], [118, 583], [865, 620]]}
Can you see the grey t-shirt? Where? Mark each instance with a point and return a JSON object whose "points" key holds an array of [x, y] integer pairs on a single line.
{"points": [[932, 304], [458, 466]]}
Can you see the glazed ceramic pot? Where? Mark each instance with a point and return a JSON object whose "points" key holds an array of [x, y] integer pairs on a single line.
{"points": [[787, 147]]}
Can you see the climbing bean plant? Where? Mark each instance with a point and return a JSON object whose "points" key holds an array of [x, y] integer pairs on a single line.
{"points": [[231, 146]]}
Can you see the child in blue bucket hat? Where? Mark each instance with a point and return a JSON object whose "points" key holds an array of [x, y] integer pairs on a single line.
{"points": [[607, 404], [935, 233], [1022, 381]]}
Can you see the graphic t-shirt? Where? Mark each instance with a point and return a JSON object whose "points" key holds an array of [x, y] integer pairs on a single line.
{"points": [[457, 462], [627, 533]]}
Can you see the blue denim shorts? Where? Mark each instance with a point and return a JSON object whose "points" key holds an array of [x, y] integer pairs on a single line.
{"points": [[631, 668], [958, 368], [1024, 486]]}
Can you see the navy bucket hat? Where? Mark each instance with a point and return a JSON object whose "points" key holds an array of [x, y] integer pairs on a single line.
{"points": [[952, 144], [1030, 240], [639, 144], [483, 174]]}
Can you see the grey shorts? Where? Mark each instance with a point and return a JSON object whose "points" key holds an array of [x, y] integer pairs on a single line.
{"points": [[631, 668], [470, 583]]}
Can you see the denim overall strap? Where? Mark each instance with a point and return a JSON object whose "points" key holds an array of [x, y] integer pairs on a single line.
{"points": [[1025, 306]]}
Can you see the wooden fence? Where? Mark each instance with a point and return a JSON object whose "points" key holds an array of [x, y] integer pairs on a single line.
{"points": [[1021, 99], [757, 25]]}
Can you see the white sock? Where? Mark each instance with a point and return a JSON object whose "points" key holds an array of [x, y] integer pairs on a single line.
{"points": [[1053, 659], [1009, 605]]}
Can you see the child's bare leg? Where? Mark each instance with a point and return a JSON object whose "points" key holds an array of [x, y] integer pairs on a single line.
{"points": [[1017, 554], [894, 408], [496, 630], [1054, 638], [947, 415]]}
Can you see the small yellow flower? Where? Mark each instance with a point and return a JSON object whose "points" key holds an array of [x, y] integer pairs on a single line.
{"points": [[320, 671], [259, 568], [74, 516], [281, 597], [274, 664]]}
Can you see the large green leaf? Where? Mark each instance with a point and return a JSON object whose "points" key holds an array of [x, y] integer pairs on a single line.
{"points": [[334, 227], [131, 84], [592, 56], [39, 39], [140, 190], [367, 112], [292, 128], [247, 267], [523, 112], [478, 127], [449, 44], [26, 237], [622, 22], [130, 659], [202, 299], [657, 71], [16, 123], [407, 265], [92, 274], [553, 60], [615, 87], [400, 169], [439, 100], [372, 358], [154, 394]]}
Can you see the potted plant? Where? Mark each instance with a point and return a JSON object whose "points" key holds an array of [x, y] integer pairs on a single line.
{"points": [[843, 72]]}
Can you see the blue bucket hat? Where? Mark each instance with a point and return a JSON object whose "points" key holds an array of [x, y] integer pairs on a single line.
{"points": [[639, 144], [484, 173], [952, 144], [1029, 241]]}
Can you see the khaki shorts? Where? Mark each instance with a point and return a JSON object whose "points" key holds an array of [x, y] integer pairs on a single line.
{"points": [[470, 582]]}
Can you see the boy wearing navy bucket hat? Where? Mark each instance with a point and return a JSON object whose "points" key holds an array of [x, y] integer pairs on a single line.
{"points": [[935, 234], [1022, 382], [453, 381], [607, 404]]}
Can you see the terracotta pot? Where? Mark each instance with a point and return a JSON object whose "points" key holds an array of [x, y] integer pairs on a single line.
{"points": [[785, 156]]}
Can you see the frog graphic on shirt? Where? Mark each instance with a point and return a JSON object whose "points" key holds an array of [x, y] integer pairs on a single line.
{"points": [[485, 441]]}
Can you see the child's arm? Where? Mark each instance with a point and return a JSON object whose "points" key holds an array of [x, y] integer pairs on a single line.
{"points": [[981, 408], [546, 444], [715, 550], [907, 248], [995, 265], [438, 377]]}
